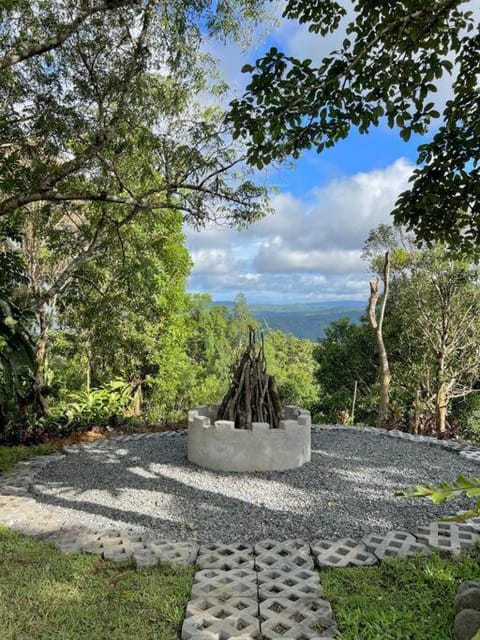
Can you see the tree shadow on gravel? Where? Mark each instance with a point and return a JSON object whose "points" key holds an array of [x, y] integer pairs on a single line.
{"points": [[132, 484]]}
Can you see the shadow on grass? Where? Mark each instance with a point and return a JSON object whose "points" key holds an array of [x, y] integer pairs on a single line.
{"points": [[47, 595]]}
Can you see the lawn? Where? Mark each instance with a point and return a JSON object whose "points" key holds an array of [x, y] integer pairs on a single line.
{"points": [[402, 599], [11, 455], [47, 595]]}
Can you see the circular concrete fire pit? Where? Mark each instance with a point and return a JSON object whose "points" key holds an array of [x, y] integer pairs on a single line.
{"points": [[217, 445]]}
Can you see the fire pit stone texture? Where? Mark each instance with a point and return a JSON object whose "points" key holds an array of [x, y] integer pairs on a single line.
{"points": [[217, 445]]}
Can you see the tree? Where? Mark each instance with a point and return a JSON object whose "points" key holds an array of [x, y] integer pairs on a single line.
{"points": [[386, 70], [101, 124], [100, 104], [241, 321], [345, 357], [127, 308], [439, 307], [432, 324], [290, 361], [376, 322]]}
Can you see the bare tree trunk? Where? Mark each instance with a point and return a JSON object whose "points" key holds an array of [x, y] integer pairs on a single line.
{"points": [[415, 427], [441, 397], [377, 326], [354, 401], [44, 320], [441, 403]]}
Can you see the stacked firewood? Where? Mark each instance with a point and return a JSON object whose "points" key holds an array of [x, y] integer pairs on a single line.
{"points": [[253, 395]]}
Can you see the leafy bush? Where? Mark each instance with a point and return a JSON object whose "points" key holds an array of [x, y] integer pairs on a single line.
{"points": [[467, 412], [99, 405]]}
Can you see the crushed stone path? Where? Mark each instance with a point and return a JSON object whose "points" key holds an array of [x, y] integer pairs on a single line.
{"points": [[269, 589]]}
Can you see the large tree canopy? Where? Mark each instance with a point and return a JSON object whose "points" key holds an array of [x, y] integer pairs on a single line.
{"points": [[388, 68], [99, 103]]}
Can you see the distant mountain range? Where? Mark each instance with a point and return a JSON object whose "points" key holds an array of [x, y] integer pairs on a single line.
{"points": [[305, 320]]}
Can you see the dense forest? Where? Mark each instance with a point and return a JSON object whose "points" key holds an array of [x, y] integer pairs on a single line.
{"points": [[109, 147]]}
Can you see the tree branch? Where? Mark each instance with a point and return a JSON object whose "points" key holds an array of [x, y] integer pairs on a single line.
{"points": [[64, 32]]}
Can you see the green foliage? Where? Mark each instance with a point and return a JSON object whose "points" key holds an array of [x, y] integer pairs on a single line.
{"points": [[16, 360], [431, 326], [470, 487], [81, 597], [401, 598], [102, 107], [467, 412], [290, 361], [99, 405], [386, 71], [346, 355]]}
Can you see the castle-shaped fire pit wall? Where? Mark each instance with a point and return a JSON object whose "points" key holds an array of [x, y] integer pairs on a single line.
{"points": [[219, 446]]}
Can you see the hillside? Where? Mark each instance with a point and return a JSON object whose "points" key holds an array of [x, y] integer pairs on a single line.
{"points": [[304, 320]]}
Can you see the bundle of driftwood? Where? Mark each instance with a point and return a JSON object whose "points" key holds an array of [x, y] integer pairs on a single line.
{"points": [[253, 395]]}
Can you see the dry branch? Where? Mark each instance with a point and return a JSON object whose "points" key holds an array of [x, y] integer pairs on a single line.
{"points": [[253, 395]]}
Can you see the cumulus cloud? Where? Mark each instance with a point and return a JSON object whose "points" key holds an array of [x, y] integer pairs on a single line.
{"points": [[309, 249], [212, 260]]}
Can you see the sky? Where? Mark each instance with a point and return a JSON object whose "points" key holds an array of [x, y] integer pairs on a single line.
{"points": [[309, 249]]}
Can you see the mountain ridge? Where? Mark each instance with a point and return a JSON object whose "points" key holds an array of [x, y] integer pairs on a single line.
{"points": [[303, 320]]}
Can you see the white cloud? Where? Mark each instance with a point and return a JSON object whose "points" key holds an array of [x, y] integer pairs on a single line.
{"points": [[273, 258], [309, 249], [210, 260]]}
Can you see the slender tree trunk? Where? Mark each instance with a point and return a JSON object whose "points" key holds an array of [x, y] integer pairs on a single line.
{"points": [[441, 403], [416, 416], [377, 326], [441, 397], [354, 402], [44, 319]]}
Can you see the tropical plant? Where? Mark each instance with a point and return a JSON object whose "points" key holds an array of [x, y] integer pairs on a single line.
{"points": [[16, 361], [100, 405], [470, 487]]}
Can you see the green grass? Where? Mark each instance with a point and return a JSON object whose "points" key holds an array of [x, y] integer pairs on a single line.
{"points": [[404, 599], [11, 455], [47, 595]]}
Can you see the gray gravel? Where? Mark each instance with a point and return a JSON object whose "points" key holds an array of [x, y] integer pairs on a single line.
{"points": [[144, 484]]}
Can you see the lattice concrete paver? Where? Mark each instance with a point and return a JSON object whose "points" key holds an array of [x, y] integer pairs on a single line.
{"points": [[176, 553], [68, 539], [145, 557], [221, 609], [448, 536], [224, 584], [270, 560], [342, 553], [12, 504], [474, 523], [225, 556], [451, 444], [111, 545], [303, 620], [292, 585], [396, 543], [222, 620], [473, 456], [281, 549]]}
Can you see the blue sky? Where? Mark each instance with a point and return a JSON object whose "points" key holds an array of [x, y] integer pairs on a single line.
{"points": [[324, 206]]}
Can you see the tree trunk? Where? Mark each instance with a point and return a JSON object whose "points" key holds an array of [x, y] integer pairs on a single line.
{"points": [[441, 403], [377, 326], [44, 318]]}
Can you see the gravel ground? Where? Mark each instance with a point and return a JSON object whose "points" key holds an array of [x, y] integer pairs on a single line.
{"points": [[146, 485]]}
